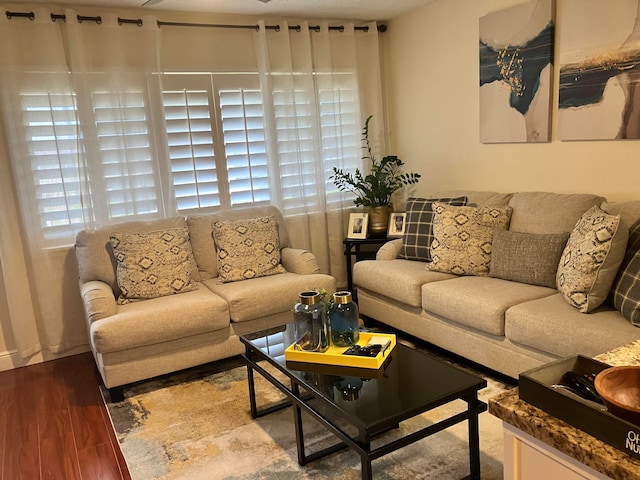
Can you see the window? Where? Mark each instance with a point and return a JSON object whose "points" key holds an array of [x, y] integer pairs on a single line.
{"points": [[216, 149], [128, 175], [190, 138], [216, 138], [244, 145], [51, 128]]}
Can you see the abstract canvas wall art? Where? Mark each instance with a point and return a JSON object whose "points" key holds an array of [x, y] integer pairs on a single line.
{"points": [[599, 57], [516, 61]]}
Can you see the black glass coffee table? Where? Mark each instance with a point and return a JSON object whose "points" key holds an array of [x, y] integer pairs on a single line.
{"points": [[359, 404]]}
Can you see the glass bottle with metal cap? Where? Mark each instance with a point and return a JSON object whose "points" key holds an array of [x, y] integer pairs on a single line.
{"points": [[343, 320], [311, 329]]}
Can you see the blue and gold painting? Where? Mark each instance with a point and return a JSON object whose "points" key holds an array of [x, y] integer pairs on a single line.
{"points": [[516, 73], [599, 55]]}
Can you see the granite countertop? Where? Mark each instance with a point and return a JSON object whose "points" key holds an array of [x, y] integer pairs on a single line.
{"points": [[571, 441]]}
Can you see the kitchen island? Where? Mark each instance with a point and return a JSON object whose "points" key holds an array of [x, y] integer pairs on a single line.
{"points": [[538, 445]]}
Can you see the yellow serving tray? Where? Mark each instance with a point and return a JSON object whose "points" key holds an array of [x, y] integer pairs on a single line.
{"points": [[334, 355]]}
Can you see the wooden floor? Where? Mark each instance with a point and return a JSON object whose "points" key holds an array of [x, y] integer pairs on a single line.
{"points": [[53, 423]]}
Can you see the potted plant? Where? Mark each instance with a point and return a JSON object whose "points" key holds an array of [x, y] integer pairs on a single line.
{"points": [[373, 190]]}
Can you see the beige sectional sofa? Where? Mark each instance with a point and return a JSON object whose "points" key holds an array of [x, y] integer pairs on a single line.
{"points": [[136, 340], [508, 326]]}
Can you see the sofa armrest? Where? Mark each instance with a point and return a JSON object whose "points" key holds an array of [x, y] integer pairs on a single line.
{"points": [[390, 250], [98, 300], [299, 261]]}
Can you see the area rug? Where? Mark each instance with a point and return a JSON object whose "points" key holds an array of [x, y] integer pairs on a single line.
{"points": [[196, 425]]}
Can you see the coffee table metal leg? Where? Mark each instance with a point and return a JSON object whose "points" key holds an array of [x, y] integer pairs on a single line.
{"points": [[474, 439], [297, 420], [252, 392], [365, 458]]}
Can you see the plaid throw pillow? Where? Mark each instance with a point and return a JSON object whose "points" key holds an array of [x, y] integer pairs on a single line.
{"points": [[418, 233], [625, 294]]}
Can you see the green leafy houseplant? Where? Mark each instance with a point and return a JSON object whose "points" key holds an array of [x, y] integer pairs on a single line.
{"points": [[374, 189]]}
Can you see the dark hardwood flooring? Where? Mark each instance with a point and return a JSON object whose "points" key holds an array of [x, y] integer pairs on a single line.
{"points": [[54, 425]]}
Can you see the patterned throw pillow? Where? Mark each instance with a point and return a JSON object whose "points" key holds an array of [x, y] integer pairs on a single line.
{"points": [[154, 264], [527, 257], [247, 248], [463, 237], [591, 259], [418, 233], [625, 293]]}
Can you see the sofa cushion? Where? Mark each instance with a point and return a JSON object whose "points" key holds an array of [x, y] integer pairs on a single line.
{"points": [[418, 234], [543, 212], [629, 211], [493, 199], [463, 237], [247, 248], [264, 296], [204, 248], [553, 326], [153, 264], [527, 257], [95, 255], [625, 293], [398, 279], [478, 302], [591, 259], [130, 326]]}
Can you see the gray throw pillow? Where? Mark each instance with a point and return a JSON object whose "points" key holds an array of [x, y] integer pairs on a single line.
{"points": [[418, 233], [527, 257], [625, 294]]}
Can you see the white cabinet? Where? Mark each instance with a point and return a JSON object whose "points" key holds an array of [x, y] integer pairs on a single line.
{"points": [[527, 458]]}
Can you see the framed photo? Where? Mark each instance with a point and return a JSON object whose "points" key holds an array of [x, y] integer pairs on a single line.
{"points": [[396, 224], [358, 223]]}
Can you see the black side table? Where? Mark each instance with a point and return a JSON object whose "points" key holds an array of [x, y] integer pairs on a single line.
{"points": [[352, 249]]}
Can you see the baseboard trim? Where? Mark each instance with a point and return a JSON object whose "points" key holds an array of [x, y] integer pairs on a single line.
{"points": [[10, 359]]}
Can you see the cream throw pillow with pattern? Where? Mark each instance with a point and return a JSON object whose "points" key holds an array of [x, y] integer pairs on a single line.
{"points": [[463, 237], [591, 259], [153, 264], [247, 248]]}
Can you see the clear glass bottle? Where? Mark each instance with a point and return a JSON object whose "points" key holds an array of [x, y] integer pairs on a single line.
{"points": [[343, 320], [311, 326]]}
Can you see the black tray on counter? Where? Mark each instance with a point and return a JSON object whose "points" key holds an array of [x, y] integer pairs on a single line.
{"points": [[535, 388]]}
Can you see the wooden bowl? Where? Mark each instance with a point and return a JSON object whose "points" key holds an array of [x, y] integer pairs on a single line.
{"points": [[619, 388]]}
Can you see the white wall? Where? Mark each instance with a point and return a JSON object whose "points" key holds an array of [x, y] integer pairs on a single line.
{"points": [[432, 82]]}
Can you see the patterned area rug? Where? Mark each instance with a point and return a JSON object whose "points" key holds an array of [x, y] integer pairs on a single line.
{"points": [[196, 425]]}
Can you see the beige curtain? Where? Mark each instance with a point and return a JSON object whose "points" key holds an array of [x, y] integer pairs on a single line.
{"points": [[54, 77], [318, 85]]}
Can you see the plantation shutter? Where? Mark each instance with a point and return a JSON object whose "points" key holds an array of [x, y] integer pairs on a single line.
{"points": [[245, 146], [51, 130], [131, 182], [192, 157]]}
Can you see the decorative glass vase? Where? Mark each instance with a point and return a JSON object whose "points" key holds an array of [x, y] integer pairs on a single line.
{"points": [[310, 320], [343, 320]]}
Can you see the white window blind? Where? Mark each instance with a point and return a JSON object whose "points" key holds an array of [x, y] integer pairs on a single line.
{"points": [[340, 133], [217, 149], [51, 130], [244, 144], [128, 170], [190, 136]]}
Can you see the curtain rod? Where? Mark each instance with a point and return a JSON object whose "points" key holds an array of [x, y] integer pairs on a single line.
{"points": [[138, 22]]}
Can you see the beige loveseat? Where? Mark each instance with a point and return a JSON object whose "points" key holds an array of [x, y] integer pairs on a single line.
{"points": [[145, 338], [506, 325]]}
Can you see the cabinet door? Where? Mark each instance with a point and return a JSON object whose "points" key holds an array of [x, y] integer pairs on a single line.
{"points": [[526, 458]]}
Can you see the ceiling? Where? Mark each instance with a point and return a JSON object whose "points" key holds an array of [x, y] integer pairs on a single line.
{"points": [[364, 10]]}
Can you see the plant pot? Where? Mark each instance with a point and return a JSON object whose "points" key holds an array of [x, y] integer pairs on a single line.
{"points": [[379, 220]]}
